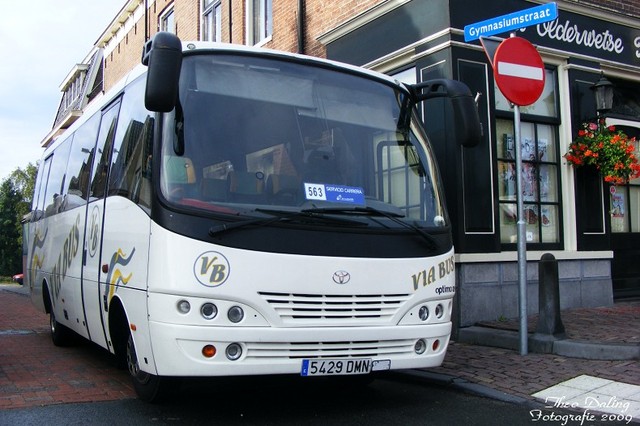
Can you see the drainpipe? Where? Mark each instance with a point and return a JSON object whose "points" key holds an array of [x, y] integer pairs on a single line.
{"points": [[146, 22], [301, 16], [230, 22]]}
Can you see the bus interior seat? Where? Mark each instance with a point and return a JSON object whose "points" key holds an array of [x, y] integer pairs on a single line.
{"points": [[214, 189], [322, 167], [180, 177], [246, 187], [283, 189]]}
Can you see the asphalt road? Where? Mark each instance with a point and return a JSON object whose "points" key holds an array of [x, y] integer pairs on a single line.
{"points": [[391, 400]]}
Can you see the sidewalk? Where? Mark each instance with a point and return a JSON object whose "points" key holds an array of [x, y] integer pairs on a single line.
{"points": [[501, 372], [33, 372]]}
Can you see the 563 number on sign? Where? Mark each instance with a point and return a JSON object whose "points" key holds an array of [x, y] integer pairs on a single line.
{"points": [[315, 191]]}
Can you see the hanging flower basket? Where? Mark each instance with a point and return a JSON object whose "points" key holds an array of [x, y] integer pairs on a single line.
{"points": [[611, 152]]}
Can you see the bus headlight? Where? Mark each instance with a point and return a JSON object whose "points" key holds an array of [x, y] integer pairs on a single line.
{"points": [[235, 314], [184, 306], [423, 313], [209, 310], [420, 347]]}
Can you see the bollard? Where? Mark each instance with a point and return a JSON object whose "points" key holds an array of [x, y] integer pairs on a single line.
{"points": [[549, 320]]}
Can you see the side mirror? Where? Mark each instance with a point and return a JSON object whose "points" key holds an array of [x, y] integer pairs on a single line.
{"points": [[163, 57], [465, 111]]}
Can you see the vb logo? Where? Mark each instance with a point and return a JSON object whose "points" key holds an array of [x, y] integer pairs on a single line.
{"points": [[211, 269]]}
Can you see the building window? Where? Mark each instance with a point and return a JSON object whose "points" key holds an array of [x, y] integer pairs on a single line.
{"points": [[259, 21], [211, 20], [624, 200], [540, 176], [167, 21]]}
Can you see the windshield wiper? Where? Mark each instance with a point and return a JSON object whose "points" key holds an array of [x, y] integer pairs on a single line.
{"points": [[282, 216], [393, 216]]}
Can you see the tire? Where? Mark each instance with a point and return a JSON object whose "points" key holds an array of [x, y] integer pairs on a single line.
{"points": [[148, 387], [60, 335]]}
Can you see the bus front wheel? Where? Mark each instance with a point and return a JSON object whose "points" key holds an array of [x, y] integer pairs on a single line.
{"points": [[148, 387]]}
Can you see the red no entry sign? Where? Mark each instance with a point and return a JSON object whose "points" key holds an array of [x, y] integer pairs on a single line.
{"points": [[519, 71]]}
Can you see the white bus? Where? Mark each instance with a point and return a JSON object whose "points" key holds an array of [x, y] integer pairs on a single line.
{"points": [[235, 211]]}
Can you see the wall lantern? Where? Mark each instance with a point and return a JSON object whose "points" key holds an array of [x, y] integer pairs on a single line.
{"points": [[603, 91]]}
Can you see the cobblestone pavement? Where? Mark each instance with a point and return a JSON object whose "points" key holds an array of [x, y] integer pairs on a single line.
{"points": [[34, 372], [618, 324], [523, 375]]}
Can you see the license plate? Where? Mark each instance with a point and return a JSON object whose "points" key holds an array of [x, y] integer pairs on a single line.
{"points": [[338, 367]]}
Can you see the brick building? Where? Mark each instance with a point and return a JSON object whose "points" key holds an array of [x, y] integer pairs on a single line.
{"points": [[422, 39]]}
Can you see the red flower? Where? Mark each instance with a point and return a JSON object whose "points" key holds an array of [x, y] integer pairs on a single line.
{"points": [[611, 152]]}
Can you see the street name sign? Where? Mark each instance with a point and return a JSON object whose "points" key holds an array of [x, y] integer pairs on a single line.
{"points": [[511, 22], [519, 71]]}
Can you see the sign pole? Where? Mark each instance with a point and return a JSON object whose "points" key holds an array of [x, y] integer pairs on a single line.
{"points": [[520, 75], [522, 243]]}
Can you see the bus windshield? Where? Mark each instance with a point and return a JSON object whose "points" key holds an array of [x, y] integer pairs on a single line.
{"points": [[252, 133]]}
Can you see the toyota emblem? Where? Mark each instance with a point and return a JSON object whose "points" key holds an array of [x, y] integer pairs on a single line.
{"points": [[341, 277]]}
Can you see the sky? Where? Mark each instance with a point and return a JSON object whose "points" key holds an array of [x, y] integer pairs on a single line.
{"points": [[40, 43]]}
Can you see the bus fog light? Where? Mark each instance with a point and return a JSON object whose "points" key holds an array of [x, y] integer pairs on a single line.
{"points": [[439, 311], [184, 306], [209, 351], [209, 310], [235, 314], [423, 313], [420, 346], [234, 351]]}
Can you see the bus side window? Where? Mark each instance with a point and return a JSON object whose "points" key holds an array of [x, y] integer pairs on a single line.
{"points": [[80, 161], [131, 164], [54, 193], [103, 150], [43, 177], [37, 193]]}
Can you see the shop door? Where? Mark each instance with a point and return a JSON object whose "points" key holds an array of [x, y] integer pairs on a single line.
{"points": [[624, 220]]}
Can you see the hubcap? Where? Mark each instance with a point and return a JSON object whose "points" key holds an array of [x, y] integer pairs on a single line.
{"points": [[52, 322]]}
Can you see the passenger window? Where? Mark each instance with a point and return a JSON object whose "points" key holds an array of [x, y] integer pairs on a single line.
{"points": [[80, 161], [43, 177], [54, 193], [103, 151], [131, 164], [37, 189]]}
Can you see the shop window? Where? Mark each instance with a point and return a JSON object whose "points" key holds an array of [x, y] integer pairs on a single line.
{"points": [[212, 20], [259, 21], [624, 200], [540, 176]]}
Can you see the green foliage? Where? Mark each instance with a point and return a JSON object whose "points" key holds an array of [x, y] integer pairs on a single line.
{"points": [[16, 193]]}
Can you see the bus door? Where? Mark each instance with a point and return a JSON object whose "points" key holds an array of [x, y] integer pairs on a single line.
{"points": [[91, 273], [73, 222], [126, 220]]}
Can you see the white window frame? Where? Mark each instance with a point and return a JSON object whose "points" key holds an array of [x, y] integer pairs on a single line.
{"points": [[261, 33], [167, 18], [211, 20]]}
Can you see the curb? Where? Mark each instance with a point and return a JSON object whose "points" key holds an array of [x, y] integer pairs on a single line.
{"points": [[463, 385], [507, 339]]}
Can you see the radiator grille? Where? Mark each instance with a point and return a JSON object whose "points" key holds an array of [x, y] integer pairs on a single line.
{"points": [[301, 308]]}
